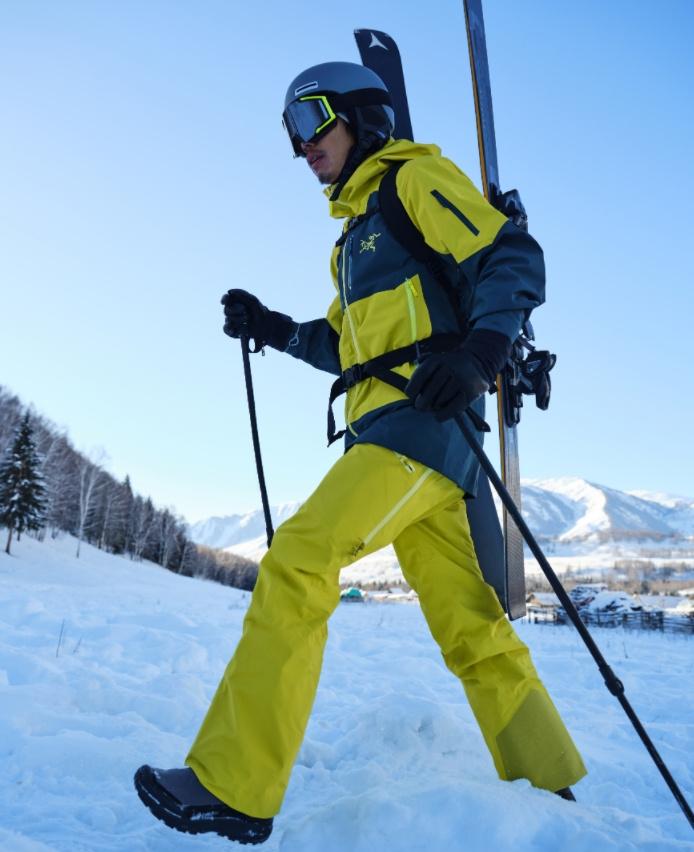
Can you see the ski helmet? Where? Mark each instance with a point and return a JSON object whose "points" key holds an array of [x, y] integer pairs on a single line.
{"points": [[323, 93]]}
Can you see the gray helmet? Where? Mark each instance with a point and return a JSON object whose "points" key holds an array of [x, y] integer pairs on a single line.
{"points": [[318, 96]]}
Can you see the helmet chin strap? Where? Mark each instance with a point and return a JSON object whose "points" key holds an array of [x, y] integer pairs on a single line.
{"points": [[367, 144]]}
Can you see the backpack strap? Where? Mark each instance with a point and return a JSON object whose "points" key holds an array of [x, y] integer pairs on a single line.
{"points": [[381, 367], [412, 240]]}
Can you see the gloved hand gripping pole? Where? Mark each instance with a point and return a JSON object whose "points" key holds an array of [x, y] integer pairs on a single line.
{"points": [[245, 351], [615, 686]]}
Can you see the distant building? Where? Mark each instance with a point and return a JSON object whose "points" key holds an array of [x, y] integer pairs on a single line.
{"points": [[352, 595]]}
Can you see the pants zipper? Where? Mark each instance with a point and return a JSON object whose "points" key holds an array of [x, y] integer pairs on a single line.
{"points": [[396, 508]]}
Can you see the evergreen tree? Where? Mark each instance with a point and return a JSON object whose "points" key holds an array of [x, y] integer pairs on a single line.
{"points": [[22, 489]]}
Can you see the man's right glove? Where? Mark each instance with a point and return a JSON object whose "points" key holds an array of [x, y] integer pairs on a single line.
{"points": [[244, 314], [447, 383]]}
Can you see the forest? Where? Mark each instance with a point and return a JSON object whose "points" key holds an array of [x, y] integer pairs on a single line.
{"points": [[75, 494]]}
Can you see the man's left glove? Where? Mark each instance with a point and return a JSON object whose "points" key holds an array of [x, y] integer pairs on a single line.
{"points": [[446, 384], [245, 314]]}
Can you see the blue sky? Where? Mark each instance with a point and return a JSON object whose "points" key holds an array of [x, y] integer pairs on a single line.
{"points": [[145, 172]]}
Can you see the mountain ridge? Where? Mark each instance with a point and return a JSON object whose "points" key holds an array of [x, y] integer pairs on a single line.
{"points": [[562, 509], [581, 525]]}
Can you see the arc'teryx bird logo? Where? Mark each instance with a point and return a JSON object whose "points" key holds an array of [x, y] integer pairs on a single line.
{"points": [[370, 244]]}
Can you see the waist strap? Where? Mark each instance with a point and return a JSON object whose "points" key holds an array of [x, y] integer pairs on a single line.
{"points": [[381, 367]]}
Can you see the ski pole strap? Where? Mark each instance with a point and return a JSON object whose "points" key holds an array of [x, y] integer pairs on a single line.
{"points": [[248, 376], [381, 367]]}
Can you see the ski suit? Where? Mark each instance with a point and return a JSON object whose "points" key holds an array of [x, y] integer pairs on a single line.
{"points": [[401, 480]]}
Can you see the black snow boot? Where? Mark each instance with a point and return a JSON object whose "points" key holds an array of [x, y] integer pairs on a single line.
{"points": [[177, 798], [566, 793]]}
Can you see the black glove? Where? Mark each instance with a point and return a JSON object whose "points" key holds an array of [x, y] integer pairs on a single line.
{"points": [[446, 384], [244, 314]]}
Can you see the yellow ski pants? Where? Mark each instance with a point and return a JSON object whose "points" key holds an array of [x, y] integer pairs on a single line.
{"points": [[248, 742]]}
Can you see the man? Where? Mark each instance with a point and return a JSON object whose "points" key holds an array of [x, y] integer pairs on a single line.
{"points": [[414, 342]]}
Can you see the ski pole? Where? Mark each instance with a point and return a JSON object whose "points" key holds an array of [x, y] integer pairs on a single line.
{"points": [[245, 352], [612, 682]]}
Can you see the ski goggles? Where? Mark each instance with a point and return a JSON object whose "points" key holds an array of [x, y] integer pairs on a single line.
{"points": [[308, 119]]}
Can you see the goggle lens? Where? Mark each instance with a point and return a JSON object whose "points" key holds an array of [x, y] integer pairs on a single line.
{"points": [[307, 119]]}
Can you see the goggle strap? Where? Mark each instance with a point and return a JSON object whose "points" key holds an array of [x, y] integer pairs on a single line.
{"points": [[360, 97]]}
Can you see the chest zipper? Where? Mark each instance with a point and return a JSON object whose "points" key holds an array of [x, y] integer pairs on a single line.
{"points": [[347, 282]]}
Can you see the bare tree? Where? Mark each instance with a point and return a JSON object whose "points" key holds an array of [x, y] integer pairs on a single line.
{"points": [[91, 480], [143, 519], [11, 410], [60, 469]]}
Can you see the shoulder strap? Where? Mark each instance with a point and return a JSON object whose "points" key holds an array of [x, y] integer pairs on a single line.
{"points": [[411, 239], [399, 223]]}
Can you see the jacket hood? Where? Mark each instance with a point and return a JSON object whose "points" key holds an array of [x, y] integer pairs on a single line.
{"points": [[355, 193]]}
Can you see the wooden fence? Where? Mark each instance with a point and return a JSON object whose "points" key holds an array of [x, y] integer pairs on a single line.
{"points": [[632, 620]]}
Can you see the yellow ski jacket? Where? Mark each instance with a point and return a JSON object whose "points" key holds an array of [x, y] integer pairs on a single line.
{"points": [[386, 299]]}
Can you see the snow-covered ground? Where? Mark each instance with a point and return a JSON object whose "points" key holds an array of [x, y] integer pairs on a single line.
{"points": [[392, 761]]}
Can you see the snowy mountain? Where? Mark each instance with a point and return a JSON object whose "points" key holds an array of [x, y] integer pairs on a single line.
{"points": [[237, 529], [582, 524], [106, 663], [571, 509], [680, 509], [565, 509]]}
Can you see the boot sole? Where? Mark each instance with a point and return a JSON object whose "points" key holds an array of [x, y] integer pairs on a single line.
{"points": [[221, 820]]}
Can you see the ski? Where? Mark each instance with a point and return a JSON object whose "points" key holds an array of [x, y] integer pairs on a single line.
{"points": [[508, 413], [379, 52]]}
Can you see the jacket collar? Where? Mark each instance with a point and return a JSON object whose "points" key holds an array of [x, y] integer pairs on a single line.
{"points": [[367, 176]]}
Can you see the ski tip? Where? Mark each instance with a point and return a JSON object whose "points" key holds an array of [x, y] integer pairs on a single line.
{"points": [[372, 31], [379, 38]]}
